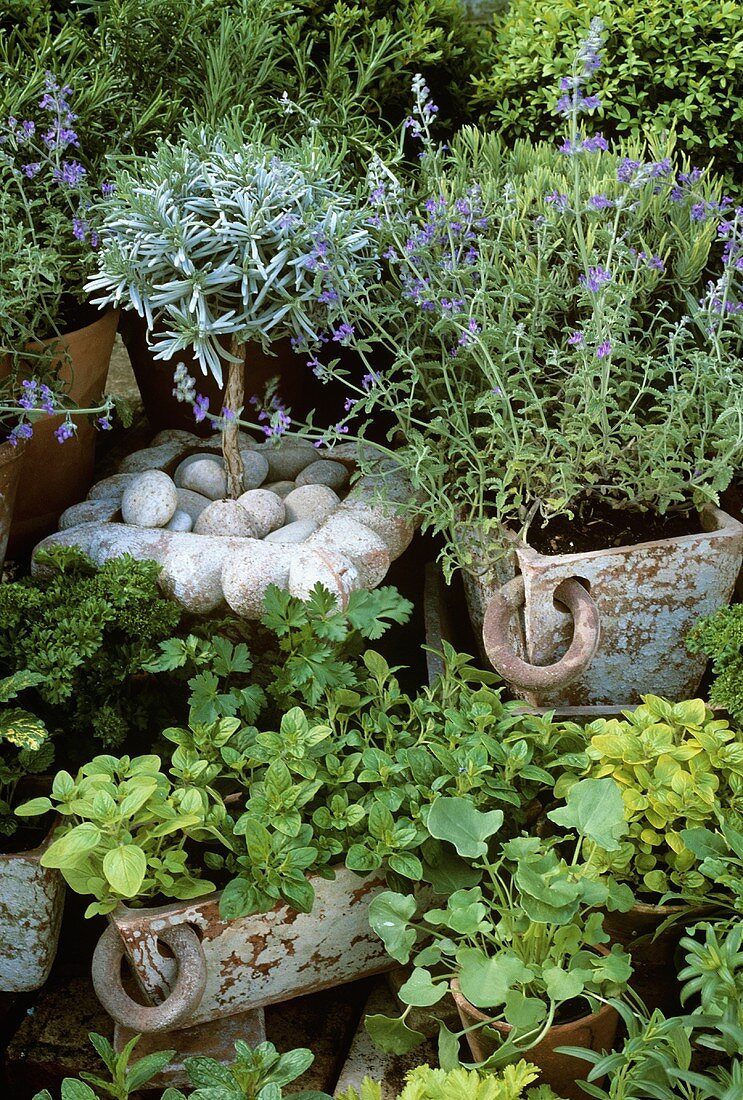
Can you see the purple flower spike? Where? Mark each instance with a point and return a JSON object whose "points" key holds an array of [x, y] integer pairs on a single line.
{"points": [[575, 338], [603, 349], [65, 431], [200, 408], [596, 278]]}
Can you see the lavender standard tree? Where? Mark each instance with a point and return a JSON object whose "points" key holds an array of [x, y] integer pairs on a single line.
{"points": [[221, 242]]}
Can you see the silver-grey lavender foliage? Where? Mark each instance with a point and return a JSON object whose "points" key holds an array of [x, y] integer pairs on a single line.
{"points": [[217, 238]]}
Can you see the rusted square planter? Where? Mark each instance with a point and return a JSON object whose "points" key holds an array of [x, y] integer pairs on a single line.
{"points": [[31, 905], [225, 967], [606, 626]]}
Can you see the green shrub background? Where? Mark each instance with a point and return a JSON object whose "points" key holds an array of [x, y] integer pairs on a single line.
{"points": [[667, 63]]}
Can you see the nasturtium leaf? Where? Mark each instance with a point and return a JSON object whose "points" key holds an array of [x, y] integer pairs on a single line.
{"points": [[562, 985], [421, 991], [392, 1035], [485, 980], [458, 821], [595, 809], [524, 1013], [388, 916], [448, 1048]]}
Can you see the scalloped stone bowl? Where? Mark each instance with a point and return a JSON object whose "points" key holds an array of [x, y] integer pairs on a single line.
{"points": [[349, 548]]}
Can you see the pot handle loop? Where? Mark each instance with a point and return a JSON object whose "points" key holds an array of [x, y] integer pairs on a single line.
{"points": [[586, 635], [185, 997]]}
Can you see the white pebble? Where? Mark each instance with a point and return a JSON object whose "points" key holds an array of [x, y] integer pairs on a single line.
{"points": [[204, 476], [293, 533], [324, 472], [315, 502], [264, 508], [181, 521], [150, 501], [225, 517], [281, 488]]}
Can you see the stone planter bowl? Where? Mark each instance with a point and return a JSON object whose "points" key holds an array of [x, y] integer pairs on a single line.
{"points": [[349, 549]]}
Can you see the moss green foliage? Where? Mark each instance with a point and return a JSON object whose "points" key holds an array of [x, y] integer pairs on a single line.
{"points": [[669, 64], [677, 766], [720, 636], [424, 1083], [88, 632], [25, 745]]}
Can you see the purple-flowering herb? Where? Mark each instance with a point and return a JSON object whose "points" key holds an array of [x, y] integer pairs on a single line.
{"points": [[348, 404], [47, 399], [31, 170], [79, 228], [597, 143], [328, 295], [104, 423], [558, 200], [603, 349], [575, 338], [600, 202], [200, 408], [227, 414], [65, 431], [343, 333], [627, 169], [660, 168], [390, 254], [377, 195], [596, 278], [589, 50], [108, 189], [699, 212]]}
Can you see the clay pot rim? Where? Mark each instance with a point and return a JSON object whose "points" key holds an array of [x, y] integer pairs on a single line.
{"points": [[499, 1025]]}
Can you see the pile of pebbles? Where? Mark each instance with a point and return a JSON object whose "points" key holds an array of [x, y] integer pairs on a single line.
{"points": [[295, 524]]}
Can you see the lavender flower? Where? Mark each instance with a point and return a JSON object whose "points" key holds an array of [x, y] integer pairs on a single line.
{"points": [[575, 338], [200, 408], [65, 431], [600, 202], [343, 334], [596, 278], [603, 349]]}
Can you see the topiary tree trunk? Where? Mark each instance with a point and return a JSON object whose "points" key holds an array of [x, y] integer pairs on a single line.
{"points": [[234, 399]]}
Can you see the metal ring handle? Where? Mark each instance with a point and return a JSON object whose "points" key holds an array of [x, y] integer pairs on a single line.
{"points": [[186, 994], [527, 677]]}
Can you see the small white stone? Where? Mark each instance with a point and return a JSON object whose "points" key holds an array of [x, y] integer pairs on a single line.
{"points": [[197, 457], [248, 573], [281, 488], [311, 502], [112, 488], [329, 568], [150, 501], [293, 533], [286, 459], [255, 469], [364, 547], [89, 511], [225, 517], [181, 521], [265, 509], [324, 472], [193, 504], [204, 476], [151, 458]]}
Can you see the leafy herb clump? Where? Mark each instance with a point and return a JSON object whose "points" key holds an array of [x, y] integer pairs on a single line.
{"points": [[25, 745], [88, 632], [720, 636]]}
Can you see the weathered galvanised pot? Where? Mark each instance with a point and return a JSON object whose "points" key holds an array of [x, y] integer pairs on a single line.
{"points": [[31, 905], [595, 1031], [218, 968], [11, 459], [607, 626]]}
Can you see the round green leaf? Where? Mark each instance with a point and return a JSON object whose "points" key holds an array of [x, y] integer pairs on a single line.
{"points": [[125, 868]]}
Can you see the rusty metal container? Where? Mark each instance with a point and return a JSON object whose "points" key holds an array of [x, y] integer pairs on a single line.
{"points": [[31, 905], [606, 626], [217, 968]]}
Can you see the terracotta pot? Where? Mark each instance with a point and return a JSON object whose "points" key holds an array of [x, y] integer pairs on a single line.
{"points": [[31, 905], [608, 626], [653, 962], [155, 378], [56, 475], [11, 460], [593, 1032], [219, 968]]}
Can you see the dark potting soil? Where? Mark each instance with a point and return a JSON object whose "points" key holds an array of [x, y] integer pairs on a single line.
{"points": [[26, 838], [598, 526]]}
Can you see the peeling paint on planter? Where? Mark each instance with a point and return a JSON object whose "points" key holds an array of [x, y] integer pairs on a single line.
{"points": [[648, 597], [260, 959], [31, 904]]}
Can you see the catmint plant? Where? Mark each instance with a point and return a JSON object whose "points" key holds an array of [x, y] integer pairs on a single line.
{"points": [[564, 324], [218, 242]]}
